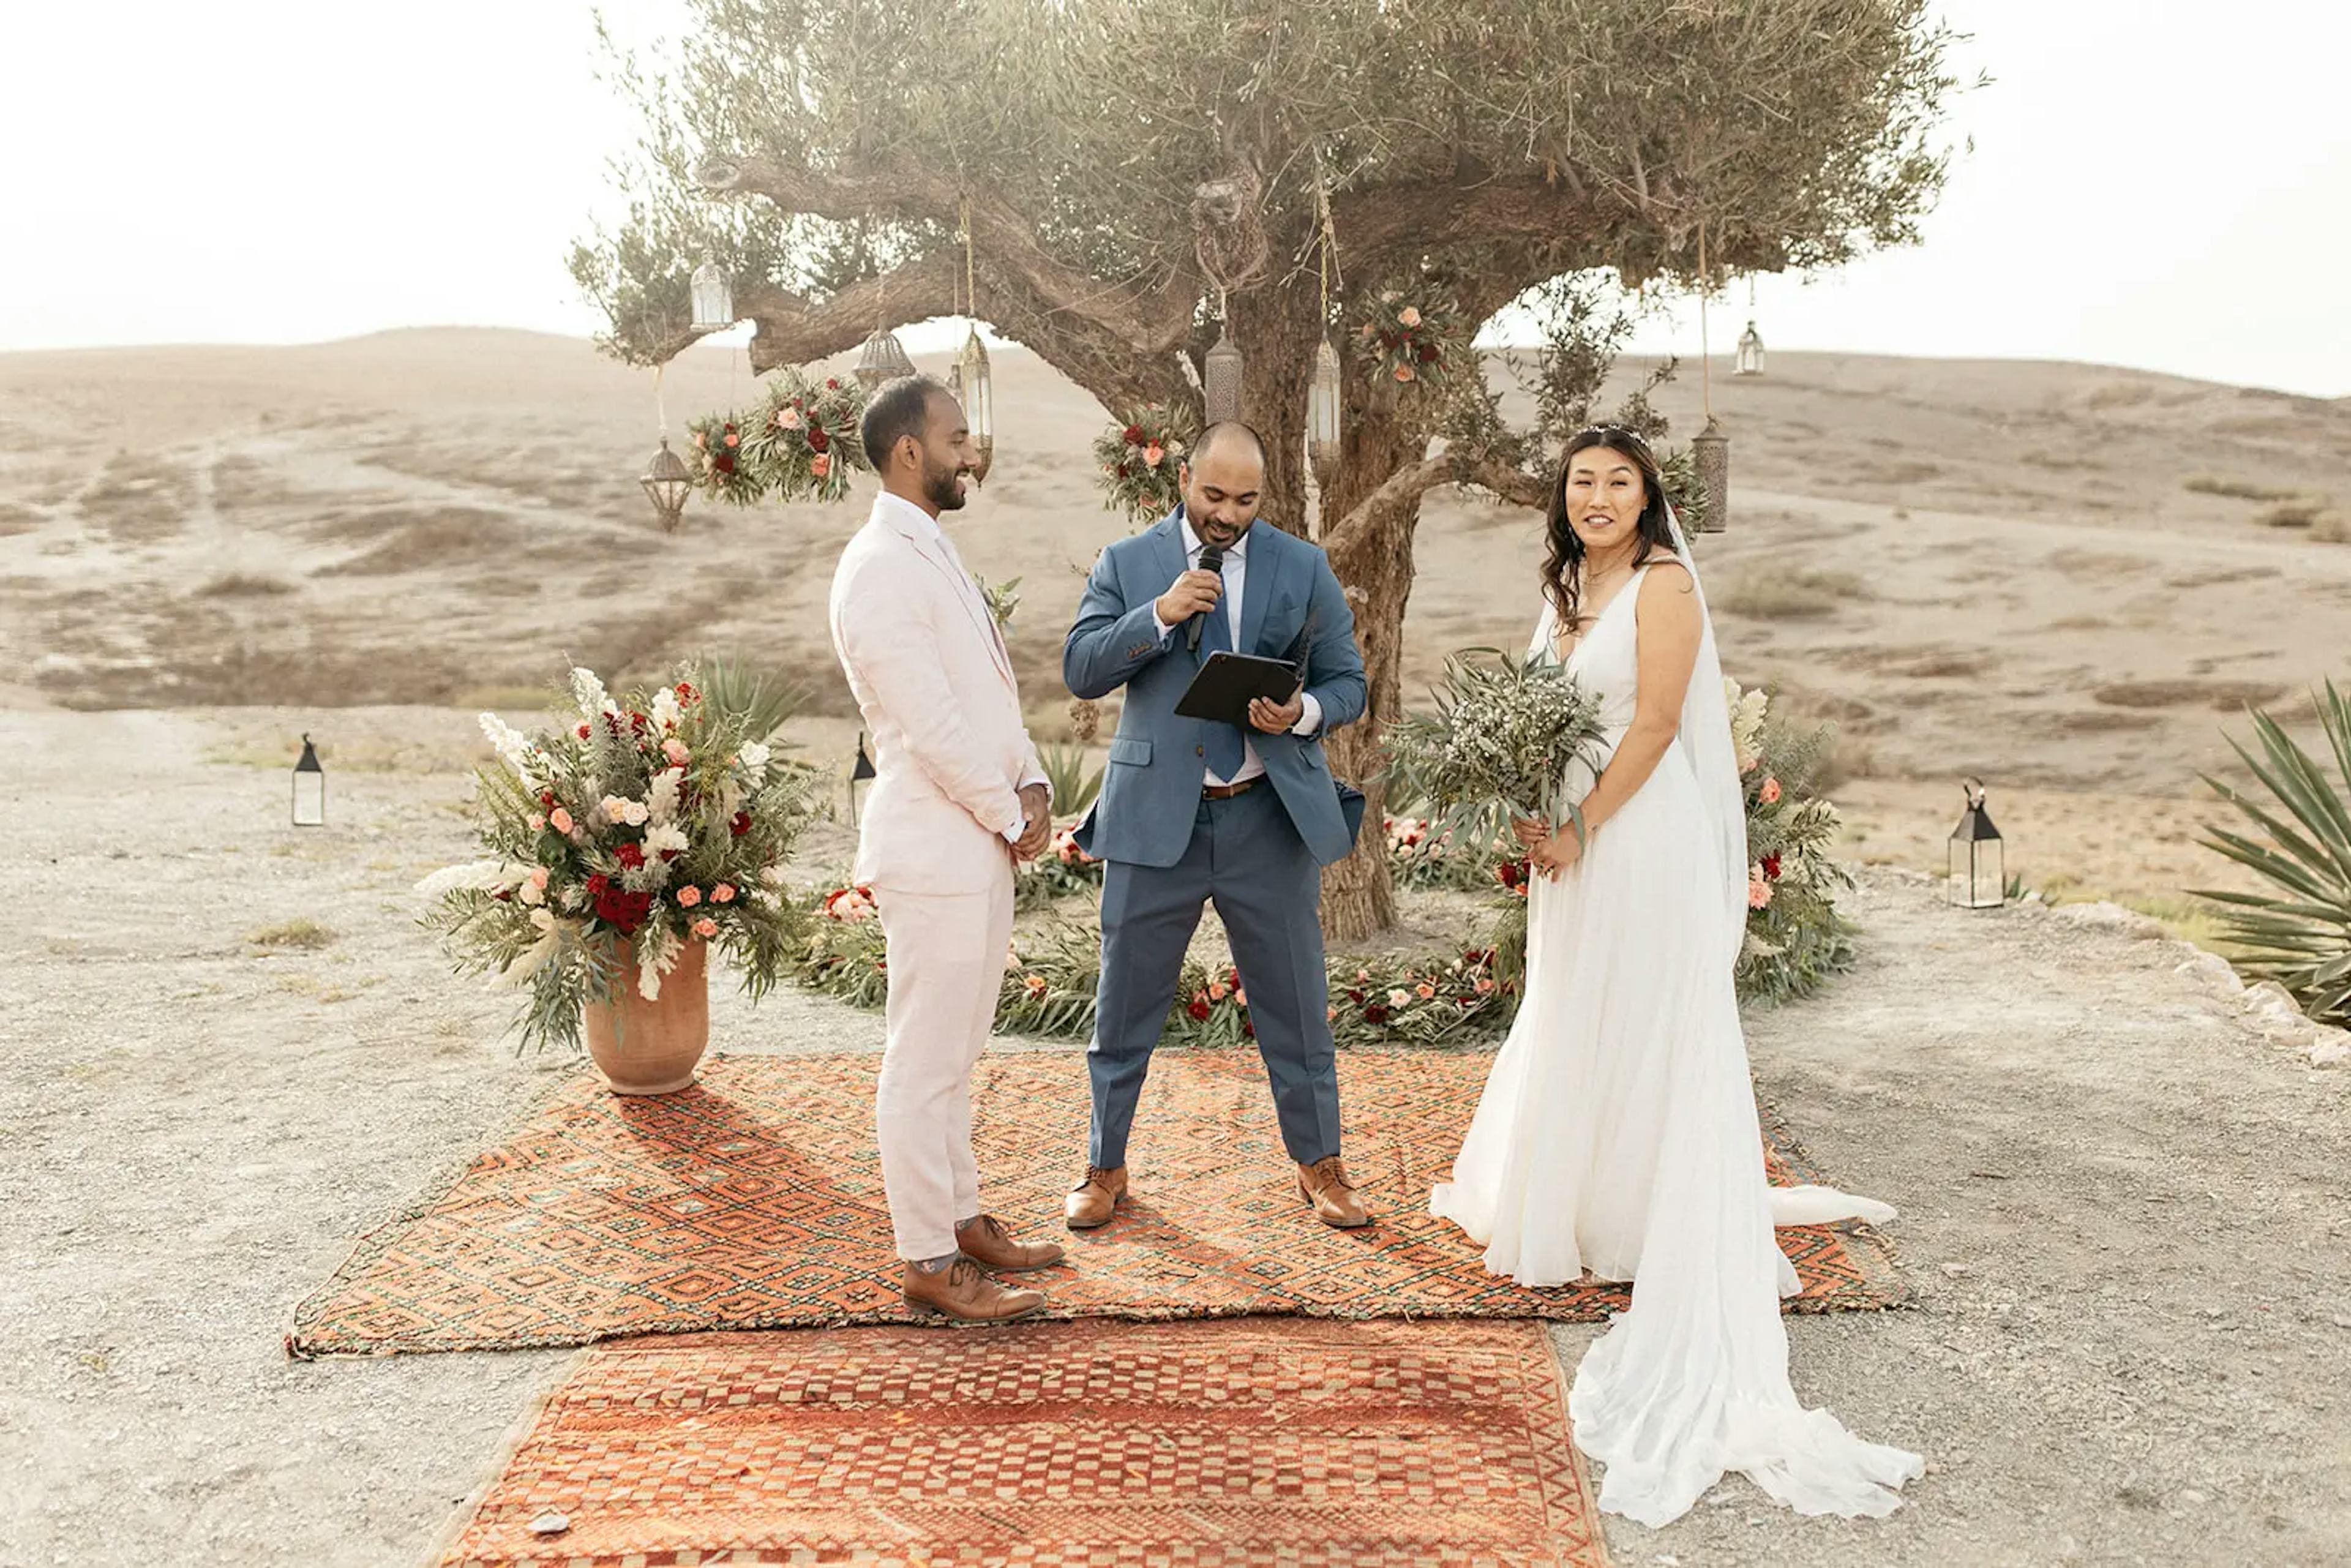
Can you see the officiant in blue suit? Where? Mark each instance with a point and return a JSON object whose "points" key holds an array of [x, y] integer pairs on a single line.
{"points": [[1194, 812]]}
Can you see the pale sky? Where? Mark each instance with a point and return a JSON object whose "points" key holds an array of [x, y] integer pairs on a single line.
{"points": [[2152, 183]]}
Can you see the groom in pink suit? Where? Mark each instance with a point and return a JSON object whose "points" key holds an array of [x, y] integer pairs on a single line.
{"points": [[957, 799]]}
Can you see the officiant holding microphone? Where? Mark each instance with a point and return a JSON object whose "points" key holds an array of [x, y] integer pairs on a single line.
{"points": [[1244, 815]]}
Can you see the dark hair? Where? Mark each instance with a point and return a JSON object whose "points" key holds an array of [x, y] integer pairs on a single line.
{"points": [[1226, 430], [898, 408], [1563, 566]]}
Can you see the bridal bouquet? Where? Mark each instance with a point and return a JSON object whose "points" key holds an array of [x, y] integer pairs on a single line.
{"points": [[1497, 746], [640, 825]]}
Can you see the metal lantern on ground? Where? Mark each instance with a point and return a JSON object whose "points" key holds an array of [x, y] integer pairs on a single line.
{"points": [[1323, 394], [1978, 871], [667, 484], [975, 388], [714, 299], [1221, 390], [309, 788], [1750, 353], [1711, 449], [883, 359]]}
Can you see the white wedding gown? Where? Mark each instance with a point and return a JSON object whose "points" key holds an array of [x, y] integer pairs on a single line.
{"points": [[1617, 1135]]}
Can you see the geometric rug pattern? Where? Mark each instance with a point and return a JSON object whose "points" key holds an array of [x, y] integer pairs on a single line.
{"points": [[754, 1200], [1312, 1444]]}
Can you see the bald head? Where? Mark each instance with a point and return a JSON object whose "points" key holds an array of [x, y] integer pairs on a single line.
{"points": [[1223, 483]]}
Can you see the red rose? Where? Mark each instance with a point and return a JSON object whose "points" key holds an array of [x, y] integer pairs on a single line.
{"points": [[724, 463], [740, 825], [1124, 471], [639, 722], [1427, 354], [668, 855], [687, 694], [630, 855], [623, 911], [546, 796], [1135, 436], [503, 894], [1355, 996], [1376, 1015], [816, 439], [1199, 1010], [583, 732], [833, 383], [1771, 867], [597, 884]]}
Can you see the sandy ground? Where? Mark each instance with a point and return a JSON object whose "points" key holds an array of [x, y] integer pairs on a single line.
{"points": [[2124, 1210]]}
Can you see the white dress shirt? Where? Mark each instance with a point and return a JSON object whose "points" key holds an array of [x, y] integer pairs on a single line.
{"points": [[927, 529], [1236, 575]]}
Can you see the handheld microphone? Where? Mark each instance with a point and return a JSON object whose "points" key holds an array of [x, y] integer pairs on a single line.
{"points": [[1212, 558]]}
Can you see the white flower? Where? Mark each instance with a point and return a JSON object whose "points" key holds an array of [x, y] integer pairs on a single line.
{"points": [[773, 875], [531, 894], [588, 692], [615, 809], [636, 813], [662, 798], [512, 745], [657, 950], [665, 709], [755, 755], [479, 875], [663, 837]]}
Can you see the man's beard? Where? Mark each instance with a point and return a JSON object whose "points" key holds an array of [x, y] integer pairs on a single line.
{"points": [[939, 485]]}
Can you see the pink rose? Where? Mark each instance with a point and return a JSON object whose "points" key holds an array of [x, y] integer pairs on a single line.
{"points": [[1770, 793], [688, 896], [723, 894], [1409, 316], [1759, 892], [787, 418], [675, 750], [536, 822], [1154, 454], [538, 878], [1404, 372], [821, 466], [560, 820], [706, 926]]}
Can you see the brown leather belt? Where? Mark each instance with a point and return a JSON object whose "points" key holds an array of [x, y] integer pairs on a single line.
{"points": [[1226, 792]]}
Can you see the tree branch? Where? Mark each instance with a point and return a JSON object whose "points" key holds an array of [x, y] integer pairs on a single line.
{"points": [[1148, 321], [1388, 223], [793, 330], [1401, 492]]}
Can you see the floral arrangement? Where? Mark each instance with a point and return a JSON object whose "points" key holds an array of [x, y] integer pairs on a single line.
{"points": [[1497, 746], [722, 470], [1139, 460], [804, 439], [1064, 871], [643, 825], [1422, 857], [1405, 342], [1795, 938]]}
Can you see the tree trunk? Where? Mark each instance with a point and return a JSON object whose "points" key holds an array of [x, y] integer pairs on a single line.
{"points": [[1376, 569], [1274, 330]]}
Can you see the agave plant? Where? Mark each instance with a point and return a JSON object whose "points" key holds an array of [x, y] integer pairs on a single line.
{"points": [[763, 699], [1074, 785], [2301, 936]]}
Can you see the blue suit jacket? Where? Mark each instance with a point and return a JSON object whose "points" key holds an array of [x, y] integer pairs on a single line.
{"points": [[1291, 607]]}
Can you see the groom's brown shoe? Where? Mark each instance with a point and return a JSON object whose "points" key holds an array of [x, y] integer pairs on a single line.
{"points": [[1096, 1199], [1325, 1188], [987, 1240], [963, 1292]]}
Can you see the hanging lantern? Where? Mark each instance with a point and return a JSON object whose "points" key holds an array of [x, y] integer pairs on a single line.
{"points": [[714, 299], [1222, 392], [975, 388], [1978, 870], [1750, 353], [883, 359], [667, 484], [1323, 396], [309, 788], [1711, 448], [859, 772]]}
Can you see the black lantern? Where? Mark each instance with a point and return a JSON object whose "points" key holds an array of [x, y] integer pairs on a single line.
{"points": [[309, 788], [858, 774], [1978, 870], [666, 484]]}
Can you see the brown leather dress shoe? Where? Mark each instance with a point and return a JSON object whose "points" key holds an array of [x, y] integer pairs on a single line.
{"points": [[1325, 1188], [1096, 1199], [963, 1292], [985, 1240]]}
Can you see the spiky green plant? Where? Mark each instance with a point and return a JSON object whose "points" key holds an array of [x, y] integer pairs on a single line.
{"points": [[2300, 936], [762, 700], [1074, 784]]}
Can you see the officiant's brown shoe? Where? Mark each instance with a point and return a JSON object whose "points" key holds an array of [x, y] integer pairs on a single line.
{"points": [[1324, 1186], [1096, 1199], [963, 1292], [987, 1240]]}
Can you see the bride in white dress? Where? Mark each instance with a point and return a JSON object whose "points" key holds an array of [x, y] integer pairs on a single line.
{"points": [[1617, 1138]]}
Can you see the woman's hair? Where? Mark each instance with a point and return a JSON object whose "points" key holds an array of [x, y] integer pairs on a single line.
{"points": [[1563, 565]]}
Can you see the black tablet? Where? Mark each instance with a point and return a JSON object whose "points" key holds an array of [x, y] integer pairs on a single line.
{"points": [[1228, 683]]}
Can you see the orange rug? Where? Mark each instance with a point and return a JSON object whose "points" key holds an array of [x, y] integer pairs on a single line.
{"points": [[754, 1200], [1224, 1445]]}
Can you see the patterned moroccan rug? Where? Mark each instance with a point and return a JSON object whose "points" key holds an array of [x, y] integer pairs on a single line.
{"points": [[1213, 1445], [754, 1200]]}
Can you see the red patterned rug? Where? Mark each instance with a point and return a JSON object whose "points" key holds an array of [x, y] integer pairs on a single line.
{"points": [[754, 1200], [1221, 1445]]}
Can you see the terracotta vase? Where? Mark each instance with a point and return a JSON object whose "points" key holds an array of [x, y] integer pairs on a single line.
{"points": [[651, 1047]]}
